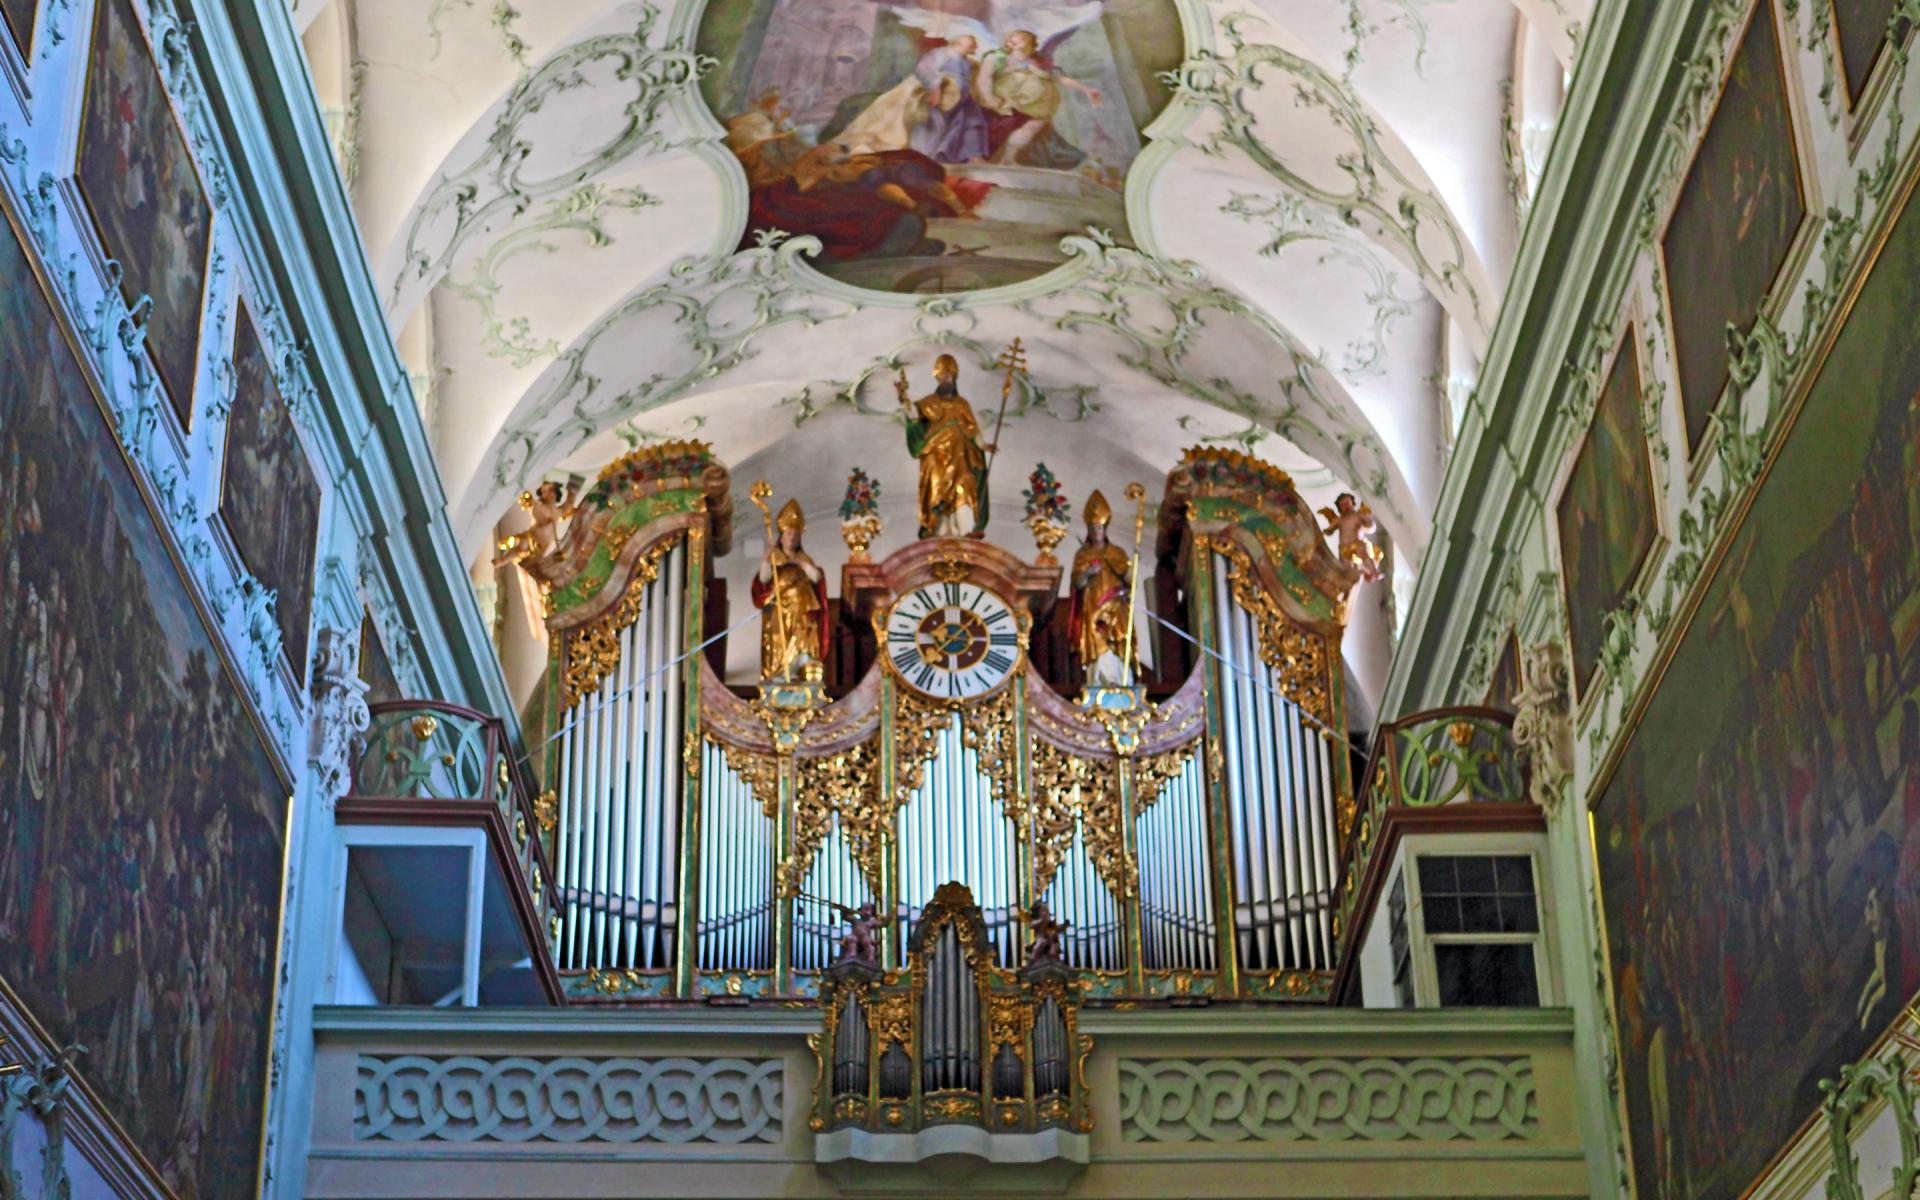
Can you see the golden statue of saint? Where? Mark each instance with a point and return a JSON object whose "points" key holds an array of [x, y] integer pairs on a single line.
{"points": [[1098, 621], [791, 592], [943, 434]]}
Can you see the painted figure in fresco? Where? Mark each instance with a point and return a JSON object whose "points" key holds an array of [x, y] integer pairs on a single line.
{"points": [[1098, 621], [791, 591], [764, 140], [944, 435], [1022, 89], [860, 204], [1354, 523], [1047, 930], [932, 111]]}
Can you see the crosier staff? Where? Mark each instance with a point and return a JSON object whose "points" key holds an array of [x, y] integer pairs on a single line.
{"points": [[1138, 495]]}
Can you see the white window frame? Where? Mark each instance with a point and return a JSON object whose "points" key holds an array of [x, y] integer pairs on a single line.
{"points": [[1426, 984], [474, 841]]}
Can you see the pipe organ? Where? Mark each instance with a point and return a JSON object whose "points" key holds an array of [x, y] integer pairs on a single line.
{"points": [[717, 839]]}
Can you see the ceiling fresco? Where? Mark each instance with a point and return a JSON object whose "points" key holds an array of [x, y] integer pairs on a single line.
{"points": [[937, 149], [1279, 224]]}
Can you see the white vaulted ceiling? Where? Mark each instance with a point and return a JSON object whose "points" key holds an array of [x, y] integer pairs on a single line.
{"points": [[1322, 221]]}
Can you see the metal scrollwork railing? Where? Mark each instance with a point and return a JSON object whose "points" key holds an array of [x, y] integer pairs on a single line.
{"points": [[1457, 755], [425, 751], [434, 752]]}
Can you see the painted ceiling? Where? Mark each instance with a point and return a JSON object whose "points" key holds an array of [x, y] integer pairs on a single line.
{"points": [[1289, 233]]}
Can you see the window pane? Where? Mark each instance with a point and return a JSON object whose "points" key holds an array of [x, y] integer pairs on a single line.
{"points": [[1515, 874], [1436, 874], [1443, 915], [1476, 874], [1519, 914], [1478, 914], [1493, 976]]}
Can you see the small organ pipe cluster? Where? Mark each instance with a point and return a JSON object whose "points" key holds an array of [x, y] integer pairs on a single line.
{"points": [[950, 1037], [712, 842]]}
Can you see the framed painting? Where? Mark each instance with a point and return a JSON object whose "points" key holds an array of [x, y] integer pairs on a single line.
{"points": [[1758, 842], [1861, 27], [142, 818], [941, 148], [148, 203], [18, 16], [1605, 515], [268, 494], [1739, 210]]}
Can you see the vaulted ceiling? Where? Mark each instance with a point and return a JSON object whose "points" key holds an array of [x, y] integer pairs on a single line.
{"points": [[1317, 234]]}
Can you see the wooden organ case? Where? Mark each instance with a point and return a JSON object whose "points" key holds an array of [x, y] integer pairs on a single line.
{"points": [[708, 844]]}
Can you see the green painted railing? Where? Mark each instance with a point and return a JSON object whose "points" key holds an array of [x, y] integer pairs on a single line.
{"points": [[1457, 755]]}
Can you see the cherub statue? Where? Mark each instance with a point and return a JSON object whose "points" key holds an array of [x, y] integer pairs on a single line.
{"points": [[548, 505], [1354, 522], [1045, 946], [859, 943]]}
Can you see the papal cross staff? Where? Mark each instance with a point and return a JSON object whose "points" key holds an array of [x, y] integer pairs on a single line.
{"points": [[1013, 360]]}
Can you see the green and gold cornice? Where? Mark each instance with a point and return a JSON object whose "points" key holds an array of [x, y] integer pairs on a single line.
{"points": [[1250, 511], [639, 500]]}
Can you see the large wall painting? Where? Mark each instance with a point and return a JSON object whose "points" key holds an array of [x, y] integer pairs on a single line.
{"points": [[141, 819], [1605, 514], [18, 17], [145, 196], [1735, 220], [268, 494], [940, 148], [1759, 842]]}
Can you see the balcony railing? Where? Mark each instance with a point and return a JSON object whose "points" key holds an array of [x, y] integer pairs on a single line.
{"points": [[1457, 755], [440, 760]]}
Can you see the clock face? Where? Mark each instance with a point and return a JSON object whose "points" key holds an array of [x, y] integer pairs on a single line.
{"points": [[952, 641]]}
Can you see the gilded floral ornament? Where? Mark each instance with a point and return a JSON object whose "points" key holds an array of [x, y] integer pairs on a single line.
{"points": [[593, 651]]}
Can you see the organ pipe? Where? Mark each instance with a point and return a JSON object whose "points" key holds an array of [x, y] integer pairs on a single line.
{"points": [[619, 758], [1281, 796]]}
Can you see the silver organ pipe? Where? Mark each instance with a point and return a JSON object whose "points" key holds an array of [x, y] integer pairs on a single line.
{"points": [[1280, 801], [833, 876], [952, 829], [1176, 872], [1076, 894], [620, 780], [736, 882]]}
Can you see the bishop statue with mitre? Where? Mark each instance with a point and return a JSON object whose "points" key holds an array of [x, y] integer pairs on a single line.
{"points": [[944, 435], [791, 592], [1098, 623]]}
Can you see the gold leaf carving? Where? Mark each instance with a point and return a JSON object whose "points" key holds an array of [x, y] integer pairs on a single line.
{"points": [[593, 651], [1298, 656], [1070, 791], [843, 785], [760, 771], [1152, 772]]}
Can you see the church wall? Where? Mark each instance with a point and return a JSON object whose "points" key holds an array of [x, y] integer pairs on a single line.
{"points": [[1741, 635], [215, 489]]}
